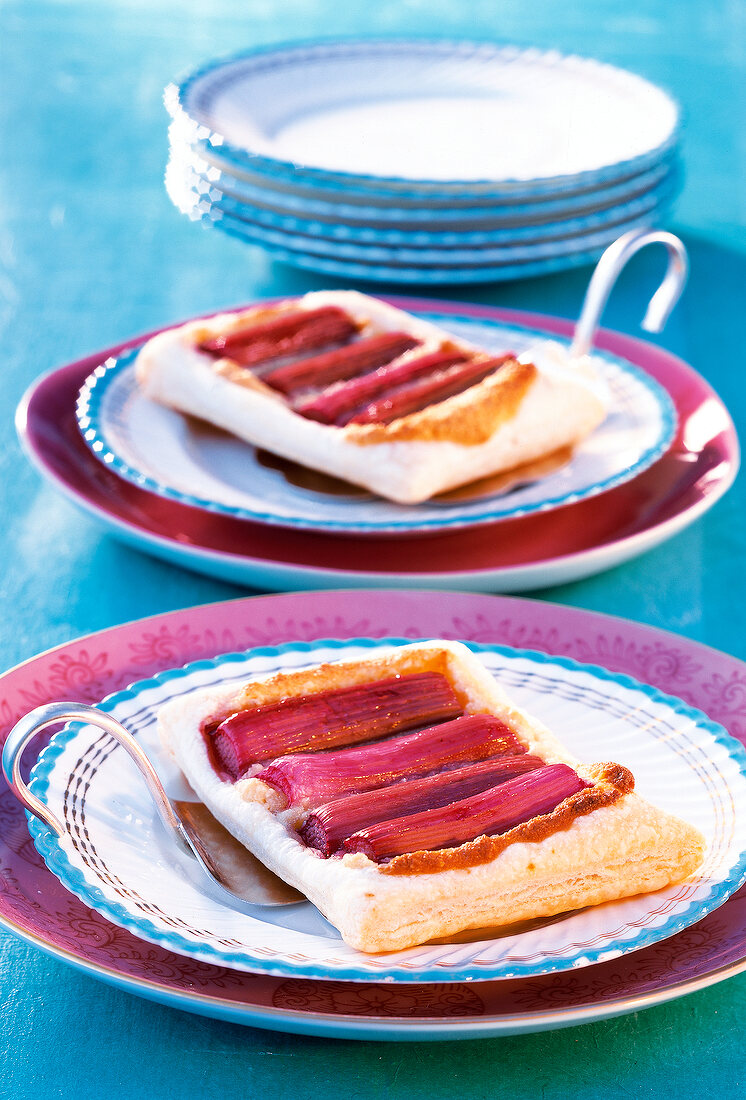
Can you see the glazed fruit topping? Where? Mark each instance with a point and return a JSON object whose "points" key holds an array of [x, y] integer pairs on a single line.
{"points": [[490, 813], [328, 826], [332, 366], [315, 778], [330, 718], [339, 404], [289, 333], [437, 387]]}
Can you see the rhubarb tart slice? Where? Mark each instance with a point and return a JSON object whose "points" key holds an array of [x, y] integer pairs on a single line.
{"points": [[352, 387], [409, 799]]}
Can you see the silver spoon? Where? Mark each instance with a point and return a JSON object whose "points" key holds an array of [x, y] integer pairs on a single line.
{"points": [[238, 877], [607, 272]]}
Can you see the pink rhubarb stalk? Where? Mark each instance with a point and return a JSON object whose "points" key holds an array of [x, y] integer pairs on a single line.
{"points": [[328, 826], [488, 814], [332, 366], [428, 391], [316, 778], [289, 333], [330, 718], [339, 405]]}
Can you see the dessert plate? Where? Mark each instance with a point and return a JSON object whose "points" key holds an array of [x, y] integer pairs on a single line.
{"points": [[289, 110], [35, 906], [533, 551], [160, 450], [117, 857]]}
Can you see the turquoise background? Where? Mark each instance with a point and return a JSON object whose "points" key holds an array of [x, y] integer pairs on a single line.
{"points": [[92, 252]]}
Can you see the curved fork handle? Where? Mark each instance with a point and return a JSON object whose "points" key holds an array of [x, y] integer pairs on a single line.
{"points": [[52, 714], [607, 272]]}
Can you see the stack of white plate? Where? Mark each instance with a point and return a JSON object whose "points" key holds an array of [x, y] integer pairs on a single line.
{"points": [[420, 161]]}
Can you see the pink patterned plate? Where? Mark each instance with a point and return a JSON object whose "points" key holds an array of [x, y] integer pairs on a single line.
{"points": [[38, 908], [531, 551]]}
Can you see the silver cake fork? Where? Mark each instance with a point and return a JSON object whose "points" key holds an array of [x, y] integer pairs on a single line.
{"points": [[234, 873]]}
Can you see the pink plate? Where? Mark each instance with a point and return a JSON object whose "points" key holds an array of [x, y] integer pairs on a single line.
{"points": [[38, 908], [507, 555]]}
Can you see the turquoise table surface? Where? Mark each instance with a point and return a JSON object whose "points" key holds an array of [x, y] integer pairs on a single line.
{"points": [[92, 252]]}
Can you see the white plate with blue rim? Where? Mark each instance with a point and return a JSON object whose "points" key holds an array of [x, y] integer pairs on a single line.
{"points": [[116, 856], [183, 459], [431, 113]]}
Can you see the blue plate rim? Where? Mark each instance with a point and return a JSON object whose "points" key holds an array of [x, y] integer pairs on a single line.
{"points": [[422, 204], [324, 238], [419, 276], [409, 220]]}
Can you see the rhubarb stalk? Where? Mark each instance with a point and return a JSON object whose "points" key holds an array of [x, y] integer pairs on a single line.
{"points": [[328, 826], [427, 391], [332, 366], [339, 404], [315, 778], [289, 333], [330, 718], [488, 814]]}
